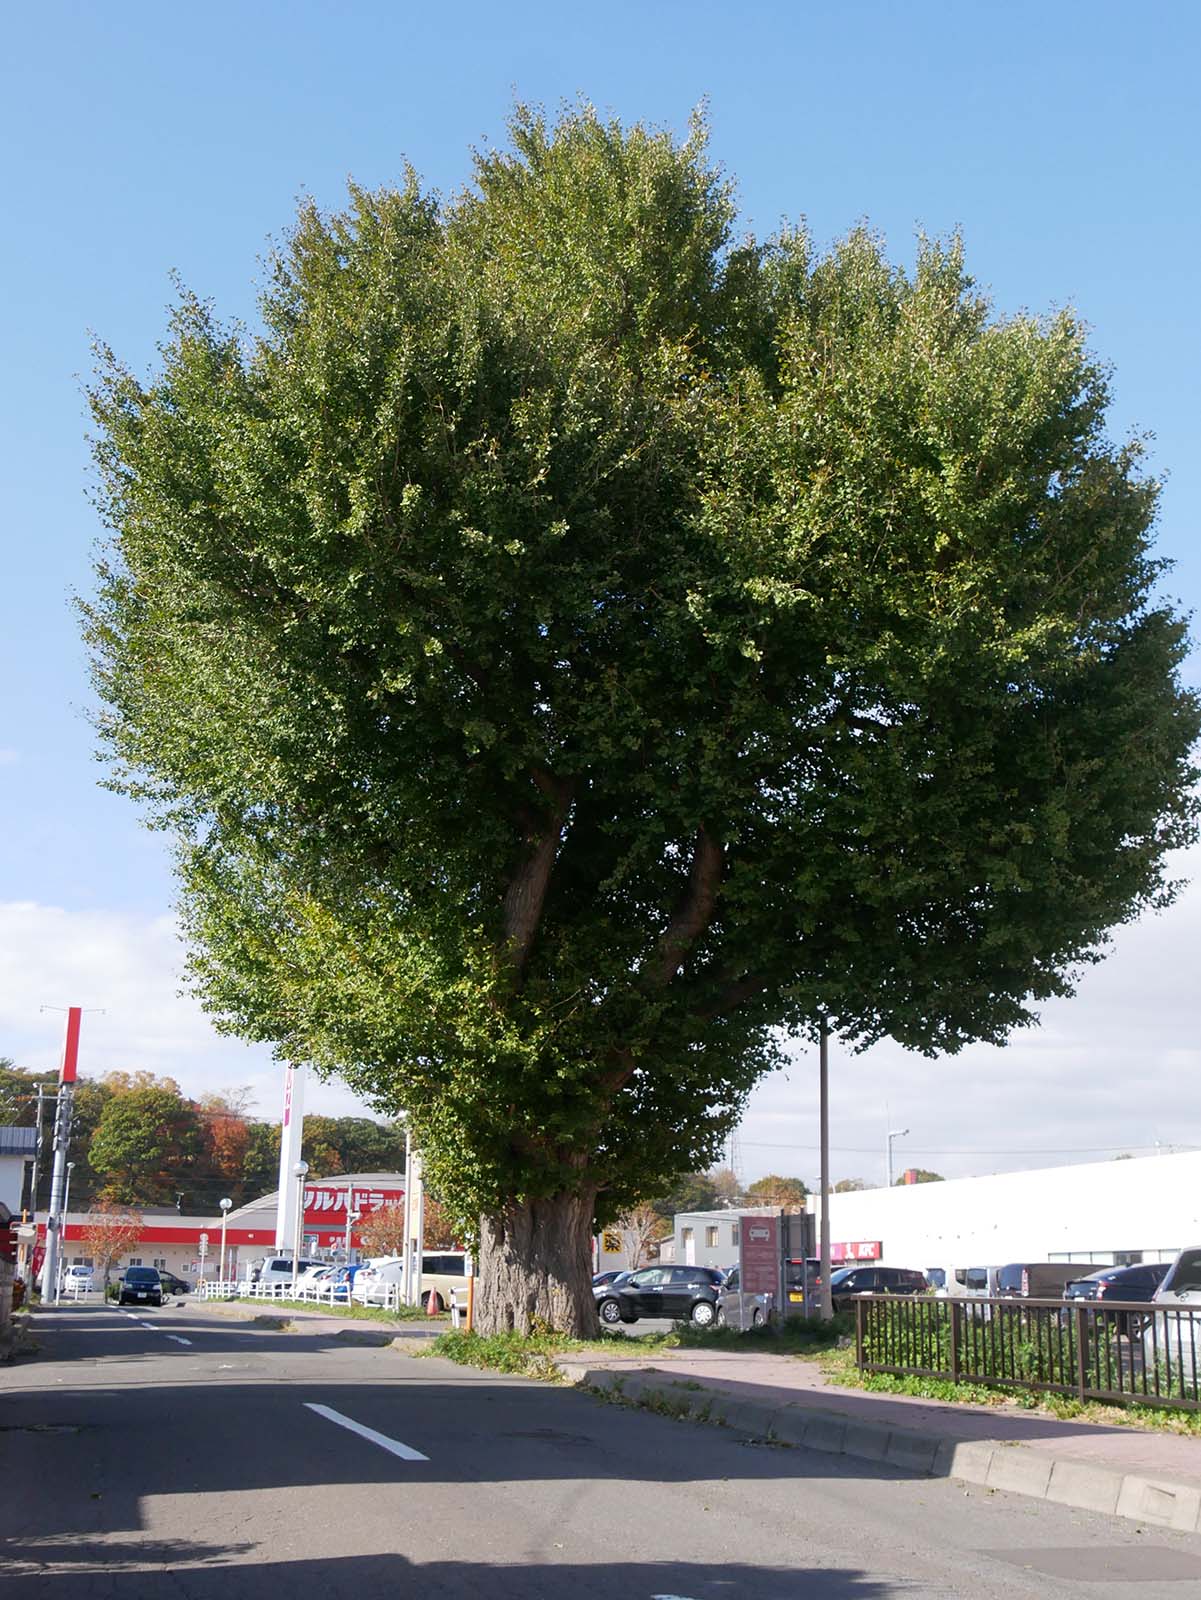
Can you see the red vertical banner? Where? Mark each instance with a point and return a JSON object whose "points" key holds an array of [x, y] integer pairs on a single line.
{"points": [[759, 1255], [70, 1067]]}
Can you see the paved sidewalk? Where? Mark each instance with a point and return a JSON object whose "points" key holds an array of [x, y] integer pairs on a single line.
{"points": [[1152, 1477]]}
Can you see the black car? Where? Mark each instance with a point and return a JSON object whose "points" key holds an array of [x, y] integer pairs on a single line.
{"points": [[1120, 1283], [850, 1282], [681, 1293], [601, 1279], [141, 1286], [174, 1285]]}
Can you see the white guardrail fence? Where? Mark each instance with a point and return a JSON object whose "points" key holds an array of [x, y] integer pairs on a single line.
{"points": [[386, 1296]]}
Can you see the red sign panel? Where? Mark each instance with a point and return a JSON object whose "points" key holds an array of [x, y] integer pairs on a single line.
{"points": [[325, 1203], [862, 1250], [759, 1255]]}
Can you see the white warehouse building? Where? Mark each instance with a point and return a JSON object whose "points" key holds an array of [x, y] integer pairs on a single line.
{"points": [[1143, 1209]]}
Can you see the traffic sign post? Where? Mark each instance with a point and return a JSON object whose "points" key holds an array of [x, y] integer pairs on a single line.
{"points": [[203, 1247]]}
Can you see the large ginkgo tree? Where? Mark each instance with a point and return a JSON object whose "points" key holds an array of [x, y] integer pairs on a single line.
{"points": [[573, 649]]}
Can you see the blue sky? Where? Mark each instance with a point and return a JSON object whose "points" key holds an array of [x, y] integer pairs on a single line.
{"points": [[140, 139]]}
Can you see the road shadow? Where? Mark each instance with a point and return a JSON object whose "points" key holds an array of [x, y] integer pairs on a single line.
{"points": [[374, 1577]]}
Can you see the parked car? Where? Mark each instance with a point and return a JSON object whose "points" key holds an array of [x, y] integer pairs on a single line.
{"points": [[677, 1292], [739, 1309], [314, 1272], [1041, 1280], [77, 1280], [278, 1269], [847, 1284], [970, 1282], [1173, 1343], [172, 1284], [1182, 1282], [442, 1272], [140, 1286], [1118, 1283], [600, 1279]]}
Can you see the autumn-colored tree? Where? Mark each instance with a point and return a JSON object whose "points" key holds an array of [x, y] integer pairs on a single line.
{"points": [[774, 1190], [727, 1191], [382, 1232], [849, 1186], [641, 1229], [111, 1231]]}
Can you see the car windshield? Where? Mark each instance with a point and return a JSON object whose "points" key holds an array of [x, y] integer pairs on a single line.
{"points": [[141, 1275], [840, 1276], [1185, 1276]]}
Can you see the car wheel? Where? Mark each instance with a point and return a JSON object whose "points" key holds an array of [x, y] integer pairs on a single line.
{"points": [[609, 1312], [757, 1317], [703, 1313], [719, 1321]]}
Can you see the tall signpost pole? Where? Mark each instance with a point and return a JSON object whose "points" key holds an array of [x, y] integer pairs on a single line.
{"points": [[291, 1137], [823, 1300], [52, 1270]]}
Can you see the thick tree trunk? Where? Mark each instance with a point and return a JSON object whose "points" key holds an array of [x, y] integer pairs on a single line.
{"points": [[535, 1267]]}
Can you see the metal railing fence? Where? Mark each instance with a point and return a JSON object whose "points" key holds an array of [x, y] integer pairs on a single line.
{"points": [[1122, 1352]]}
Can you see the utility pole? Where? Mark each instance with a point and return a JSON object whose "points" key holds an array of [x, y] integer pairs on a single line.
{"points": [[824, 1307], [52, 1268], [894, 1133]]}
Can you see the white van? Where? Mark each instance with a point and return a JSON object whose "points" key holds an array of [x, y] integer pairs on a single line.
{"points": [[278, 1269], [442, 1271]]}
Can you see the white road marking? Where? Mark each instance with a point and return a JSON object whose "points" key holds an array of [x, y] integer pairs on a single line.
{"points": [[404, 1451], [178, 1338]]}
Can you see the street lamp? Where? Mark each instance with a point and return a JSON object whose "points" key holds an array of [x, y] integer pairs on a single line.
{"points": [[298, 1172], [225, 1205], [894, 1133], [351, 1217]]}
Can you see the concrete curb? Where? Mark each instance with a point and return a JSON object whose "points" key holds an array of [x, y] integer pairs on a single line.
{"points": [[992, 1463]]}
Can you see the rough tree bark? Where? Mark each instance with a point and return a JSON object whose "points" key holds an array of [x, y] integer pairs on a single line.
{"points": [[535, 1267]]}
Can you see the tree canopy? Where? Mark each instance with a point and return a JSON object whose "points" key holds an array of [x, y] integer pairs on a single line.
{"points": [[774, 1190], [570, 645]]}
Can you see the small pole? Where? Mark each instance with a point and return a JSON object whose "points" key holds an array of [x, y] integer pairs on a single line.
{"points": [[824, 1306], [299, 1170], [225, 1205]]}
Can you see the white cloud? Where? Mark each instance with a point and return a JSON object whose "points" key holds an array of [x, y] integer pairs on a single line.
{"points": [[125, 971]]}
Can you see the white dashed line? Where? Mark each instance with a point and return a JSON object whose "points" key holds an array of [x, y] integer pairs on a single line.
{"points": [[393, 1446], [178, 1338]]}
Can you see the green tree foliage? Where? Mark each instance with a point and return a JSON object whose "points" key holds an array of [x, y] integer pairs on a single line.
{"points": [[918, 1175], [147, 1146], [774, 1190], [849, 1186], [570, 646], [695, 1191], [260, 1164]]}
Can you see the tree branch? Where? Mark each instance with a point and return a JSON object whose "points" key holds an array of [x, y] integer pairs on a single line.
{"points": [[526, 894], [693, 913]]}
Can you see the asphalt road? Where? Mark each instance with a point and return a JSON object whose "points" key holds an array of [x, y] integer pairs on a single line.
{"points": [[169, 1455]]}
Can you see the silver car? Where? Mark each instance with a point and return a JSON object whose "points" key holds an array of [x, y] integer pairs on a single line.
{"points": [[736, 1309]]}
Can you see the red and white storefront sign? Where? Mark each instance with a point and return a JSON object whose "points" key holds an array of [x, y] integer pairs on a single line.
{"points": [[325, 1203], [862, 1250]]}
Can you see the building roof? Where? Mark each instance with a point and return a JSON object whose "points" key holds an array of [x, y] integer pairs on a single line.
{"points": [[18, 1141]]}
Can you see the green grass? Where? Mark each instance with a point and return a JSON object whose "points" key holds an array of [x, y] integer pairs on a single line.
{"points": [[354, 1313], [839, 1368], [536, 1355]]}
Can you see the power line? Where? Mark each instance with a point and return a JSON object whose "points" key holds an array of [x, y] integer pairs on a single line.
{"points": [[927, 1150]]}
